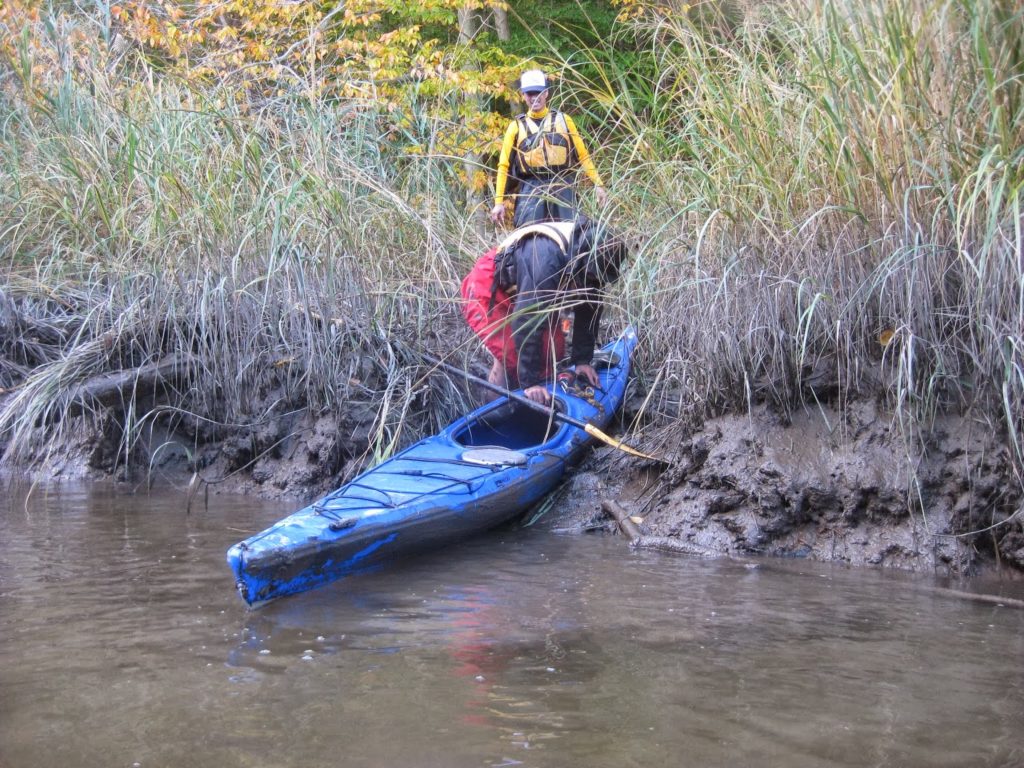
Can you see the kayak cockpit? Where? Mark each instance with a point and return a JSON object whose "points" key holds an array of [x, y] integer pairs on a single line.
{"points": [[510, 426]]}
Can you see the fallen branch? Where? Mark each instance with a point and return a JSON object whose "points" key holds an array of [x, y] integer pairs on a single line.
{"points": [[114, 389], [636, 539], [666, 544], [1008, 602], [629, 529]]}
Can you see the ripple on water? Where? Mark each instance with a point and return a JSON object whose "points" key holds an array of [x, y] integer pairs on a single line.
{"points": [[123, 642]]}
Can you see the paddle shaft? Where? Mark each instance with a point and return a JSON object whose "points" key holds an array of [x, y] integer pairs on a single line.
{"points": [[590, 429], [548, 410]]}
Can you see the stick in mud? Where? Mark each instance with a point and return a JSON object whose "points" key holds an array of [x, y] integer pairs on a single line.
{"points": [[628, 527]]}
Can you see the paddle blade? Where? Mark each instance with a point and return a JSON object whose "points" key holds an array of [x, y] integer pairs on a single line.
{"points": [[609, 440]]}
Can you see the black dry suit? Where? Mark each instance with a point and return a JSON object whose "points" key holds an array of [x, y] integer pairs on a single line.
{"points": [[558, 266]]}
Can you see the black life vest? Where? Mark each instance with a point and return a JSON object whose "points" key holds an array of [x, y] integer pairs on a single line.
{"points": [[505, 260]]}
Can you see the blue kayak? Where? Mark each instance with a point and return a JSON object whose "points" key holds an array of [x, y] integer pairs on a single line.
{"points": [[478, 472]]}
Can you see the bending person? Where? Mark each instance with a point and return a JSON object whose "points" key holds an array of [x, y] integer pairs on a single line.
{"points": [[514, 293]]}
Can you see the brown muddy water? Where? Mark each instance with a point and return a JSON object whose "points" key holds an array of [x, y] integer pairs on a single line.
{"points": [[122, 643]]}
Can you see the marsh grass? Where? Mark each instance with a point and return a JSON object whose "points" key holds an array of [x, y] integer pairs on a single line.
{"points": [[282, 250], [824, 201], [833, 199]]}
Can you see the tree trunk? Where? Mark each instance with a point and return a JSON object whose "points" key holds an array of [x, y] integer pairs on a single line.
{"points": [[119, 388], [468, 25], [501, 24]]}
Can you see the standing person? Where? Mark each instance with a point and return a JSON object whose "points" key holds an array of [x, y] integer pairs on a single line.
{"points": [[514, 292], [542, 151]]}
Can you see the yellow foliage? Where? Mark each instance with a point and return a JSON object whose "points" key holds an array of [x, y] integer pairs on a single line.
{"points": [[635, 9], [265, 48]]}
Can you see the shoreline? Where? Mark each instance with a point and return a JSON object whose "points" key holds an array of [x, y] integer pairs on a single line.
{"points": [[823, 485]]}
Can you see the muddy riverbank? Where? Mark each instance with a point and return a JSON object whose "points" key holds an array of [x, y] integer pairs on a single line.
{"points": [[821, 484], [824, 485]]}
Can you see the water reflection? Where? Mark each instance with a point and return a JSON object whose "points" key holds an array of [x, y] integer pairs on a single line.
{"points": [[123, 642]]}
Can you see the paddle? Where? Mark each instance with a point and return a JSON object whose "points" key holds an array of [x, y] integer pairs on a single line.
{"points": [[590, 429]]}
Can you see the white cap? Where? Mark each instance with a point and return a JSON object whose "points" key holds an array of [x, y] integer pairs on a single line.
{"points": [[532, 80]]}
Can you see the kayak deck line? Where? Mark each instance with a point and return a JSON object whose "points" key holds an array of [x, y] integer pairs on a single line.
{"points": [[371, 504]]}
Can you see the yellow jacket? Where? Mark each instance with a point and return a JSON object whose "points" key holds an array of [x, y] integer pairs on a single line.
{"points": [[509, 143]]}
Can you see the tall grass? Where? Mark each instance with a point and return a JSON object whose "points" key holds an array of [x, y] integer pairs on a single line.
{"points": [[282, 250], [824, 198], [834, 192]]}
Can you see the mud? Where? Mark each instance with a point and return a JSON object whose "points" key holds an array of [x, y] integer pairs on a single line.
{"points": [[825, 485], [822, 485], [288, 454]]}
